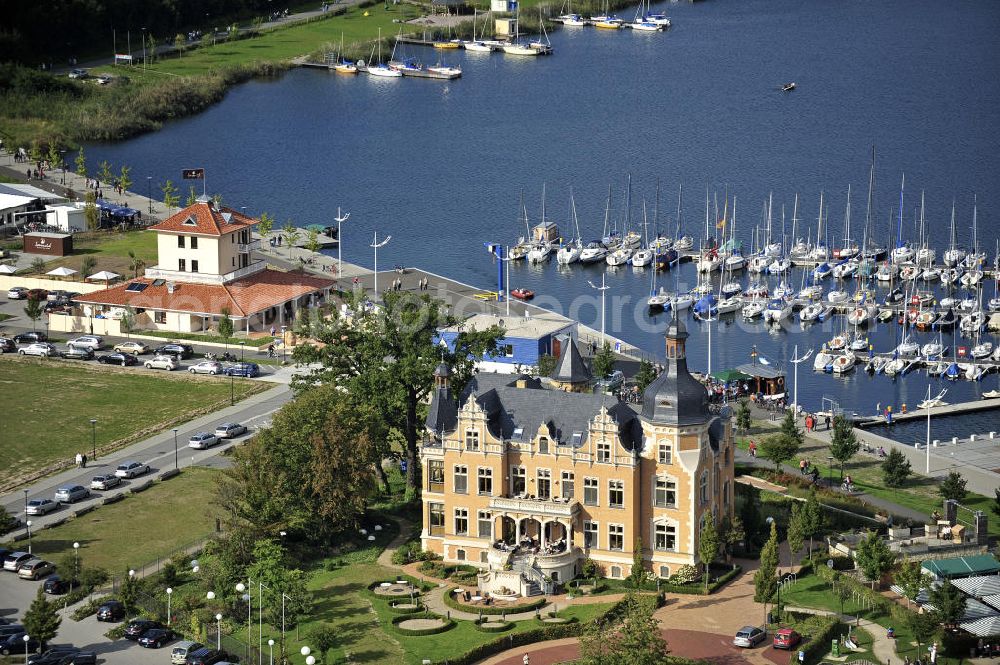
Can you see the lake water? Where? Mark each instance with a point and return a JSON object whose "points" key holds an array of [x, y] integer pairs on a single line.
{"points": [[439, 165]]}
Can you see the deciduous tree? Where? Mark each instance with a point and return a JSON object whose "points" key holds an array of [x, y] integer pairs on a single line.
{"points": [[645, 375], [895, 469], [604, 362], [779, 448], [813, 519], [87, 266], [790, 427], [42, 621], [638, 573], [104, 172], [33, 310], [91, 215], [765, 580], [128, 592], [81, 163], [546, 364], [874, 557], [192, 196], [265, 226], [312, 240], [632, 637], [125, 178], [225, 326], [708, 545], [743, 416], [796, 530], [170, 197], [843, 443], [180, 42], [385, 358], [949, 603], [732, 534], [953, 487], [7, 521], [911, 578]]}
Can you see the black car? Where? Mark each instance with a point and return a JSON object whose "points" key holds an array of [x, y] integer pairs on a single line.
{"points": [[179, 351], [81, 658], [15, 644], [112, 610], [54, 656], [123, 359], [7, 345], [136, 628], [77, 353], [248, 370], [30, 338], [206, 656], [10, 629], [154, 638], [56, 586]]}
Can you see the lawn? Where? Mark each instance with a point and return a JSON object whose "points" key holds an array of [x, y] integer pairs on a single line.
{"points": [[178, 511], [110, 250], [49, 405]]}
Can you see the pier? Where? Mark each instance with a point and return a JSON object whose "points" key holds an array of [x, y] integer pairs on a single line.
{"points": [[936, 411]]}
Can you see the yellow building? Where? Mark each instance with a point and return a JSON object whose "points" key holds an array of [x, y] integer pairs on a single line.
{"points": [[527, 477]]}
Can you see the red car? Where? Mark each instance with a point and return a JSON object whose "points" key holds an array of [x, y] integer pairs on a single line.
{"points": [[786, 638]]}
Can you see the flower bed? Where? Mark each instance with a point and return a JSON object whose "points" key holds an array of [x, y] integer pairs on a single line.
{"points": [[422, 624], [493, 610], [492, 626]]}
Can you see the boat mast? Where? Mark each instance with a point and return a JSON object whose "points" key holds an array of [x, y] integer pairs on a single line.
{"points": [[680, 197], [847, 221], [871, 191], [899, 233], [576, 222], [656, 210], [607, 212]]}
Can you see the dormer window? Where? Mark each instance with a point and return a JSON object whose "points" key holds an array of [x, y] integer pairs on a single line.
{"points": [[190, 221], [227, 216], [577, 440], [518, 433], [543, 444]]}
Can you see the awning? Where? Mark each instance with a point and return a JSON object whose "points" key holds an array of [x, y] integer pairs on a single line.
{"points": [[728, 375]]}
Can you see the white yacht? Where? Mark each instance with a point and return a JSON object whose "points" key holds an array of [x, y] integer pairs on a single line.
{"points": [[593, 253]]}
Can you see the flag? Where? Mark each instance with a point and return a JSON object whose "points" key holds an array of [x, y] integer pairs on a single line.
{"points": [[763, 360], [193, 174]]}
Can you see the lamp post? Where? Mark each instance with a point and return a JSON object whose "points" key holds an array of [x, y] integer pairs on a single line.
{"points": [[795, 377], [62, 164], [144, 49], [270, 652], [340, 240], [232, 389], [28, 525], [927, 445], [176, 468], [829, 459], [25, 502], [76, 564], [93, 437], [602, 288], [242, 588], [218, 623], [284, 346], [305, 651], [243, 346], [376, 245], [26, 639], [149, 179], [170, 592]]}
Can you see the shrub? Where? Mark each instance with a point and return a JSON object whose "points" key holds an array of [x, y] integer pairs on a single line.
{"points": [[494, 627], [407, 553], [816, 631], [433, 569], [89, 608], [591, 569], [169, 573], [686, 574], [323, 638]]}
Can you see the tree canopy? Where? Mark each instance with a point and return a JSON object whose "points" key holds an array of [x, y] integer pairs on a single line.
{"points": [[895, 469], [874, 557], [383, 357], [765, 580], [779, 448], [632, 637], [843, 443], [949, 603], [41, 621], [953, 486]]}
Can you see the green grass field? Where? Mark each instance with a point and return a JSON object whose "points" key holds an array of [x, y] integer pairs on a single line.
{"points": [[138, 529], [110, 250], [49, 405]]}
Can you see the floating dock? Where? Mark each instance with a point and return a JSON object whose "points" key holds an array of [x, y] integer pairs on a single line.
{"points": [[936, 411]]}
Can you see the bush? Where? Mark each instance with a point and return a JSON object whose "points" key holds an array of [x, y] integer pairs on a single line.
{"points": [[169, 573], [495, 627], [323, 638], [816, 631], [407, 553], [686, 574], [591, 569], [89, 608], [433, 569], [92, 578], [407, 610]]}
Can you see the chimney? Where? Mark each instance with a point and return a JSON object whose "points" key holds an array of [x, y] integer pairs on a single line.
{"points": [[170, 287]]}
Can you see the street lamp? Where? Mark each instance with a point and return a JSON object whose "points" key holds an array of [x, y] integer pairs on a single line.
{"points": [[340, 241], [28, 525], [144, 49], [218, 623], [270, 652], [284, 347], [602, 288], [62, 163], [829, 459], [210, 595], [795, 391], [76, 564], [26, 639], [232, 389], [243, 346], [310, 660], [175, 449], [93, 437], [242, 588], [376, 245], [170, 592], [25, 502]]}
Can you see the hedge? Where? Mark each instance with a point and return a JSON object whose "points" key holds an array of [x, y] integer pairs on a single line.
{"points": [[496, 627], [416, 632], [419, 607], [816, 631], [422, 586], [695, 588], [449, 600]]}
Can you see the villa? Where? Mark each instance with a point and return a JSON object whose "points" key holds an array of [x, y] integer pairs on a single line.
{"points": [[526, 477]]}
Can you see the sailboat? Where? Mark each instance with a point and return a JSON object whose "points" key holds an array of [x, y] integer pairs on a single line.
{"points": [[517, 47], [644, 256], [520, 250], [953, 255], [643, 22], [342, 66], [926, 254], [570, 252], [380, 69], [994, 303], [540, 248], [850, 248], [597, 250], [606, 21], [902, 252], [477, 45]]}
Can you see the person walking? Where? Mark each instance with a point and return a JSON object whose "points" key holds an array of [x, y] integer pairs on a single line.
{"points": [[79, 460], [827, 419]]}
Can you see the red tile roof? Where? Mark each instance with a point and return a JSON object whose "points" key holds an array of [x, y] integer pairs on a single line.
{"points": [[204, 219], [247, 296]]}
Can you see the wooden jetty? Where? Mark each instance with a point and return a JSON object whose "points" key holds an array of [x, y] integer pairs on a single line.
{"points": [[936, 412]]}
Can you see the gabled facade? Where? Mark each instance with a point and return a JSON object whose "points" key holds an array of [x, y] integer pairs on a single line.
{"points": [[527, 481]]}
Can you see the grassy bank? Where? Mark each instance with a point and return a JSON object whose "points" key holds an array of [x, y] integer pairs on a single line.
{"points": [[178, 511], [49, 405], [110, 250]]}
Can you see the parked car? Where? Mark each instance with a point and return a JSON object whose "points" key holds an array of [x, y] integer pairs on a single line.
{"points": [[92, 342], [41, 506], [786, 638], [611, 382], [168, 363], [204, 656], [17, 293], [131, 469], [16, 644], [248, 370], [202, 440], [63, 655], [77, 353], [123, 359], [15, 560], [229, 430], [56, 586], [181, 351], [7, 345], [41, 295], [41, 349], [35, 569], [111, 610], [82, 658], [154, 638], [105, 481], [206, 367], [10, 629], [79, 73], [136, 628], [749, 636], [71, 494], [103, 79], [30, 337], [135, 348], [179, 654]]}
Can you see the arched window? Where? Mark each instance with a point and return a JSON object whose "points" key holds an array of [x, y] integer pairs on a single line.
{"points": [[616, 572]]}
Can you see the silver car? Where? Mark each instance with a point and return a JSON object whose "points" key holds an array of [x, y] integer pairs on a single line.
{"points": [[162, 362], [41, 506], [43, 349], [105, 482], [749, 637], [202, 440], [92, 342], [206, 367], [131, 469], [229, 430], [71, 494]]}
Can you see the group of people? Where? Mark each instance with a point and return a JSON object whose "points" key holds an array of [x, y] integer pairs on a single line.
{"points": [[812, 421], [81, 460]]}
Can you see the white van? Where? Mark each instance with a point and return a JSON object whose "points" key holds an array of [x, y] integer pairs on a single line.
{"points": [[179, 654]]}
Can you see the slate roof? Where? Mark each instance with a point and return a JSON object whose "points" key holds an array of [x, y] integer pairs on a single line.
{"points": [[571, 367], [675, 397], [509, 409], [202, 218]]}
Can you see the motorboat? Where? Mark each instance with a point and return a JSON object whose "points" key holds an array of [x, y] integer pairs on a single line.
{"points": [[838, 296], [572, 20], [645, 26], [753, 309], [814, 292], [345, 67], [886, 272], [822, 271], [909, 272], [522, 294], [822, 361], [907, 347], [657, 18], [843, 363], [777, 310], [982, 350], [930, 274], [788, 87], [838, 343], [619, 257], [642, 258], [593, 252], [445, 71]]}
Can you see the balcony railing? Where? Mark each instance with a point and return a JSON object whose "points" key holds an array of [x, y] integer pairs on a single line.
{"points": [[247, 247], [553, 507], [245, 271]]}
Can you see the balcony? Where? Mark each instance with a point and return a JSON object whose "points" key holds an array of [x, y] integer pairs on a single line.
{"points": [[245, 271], [546, 562], [247, 247], [548, 508]]}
